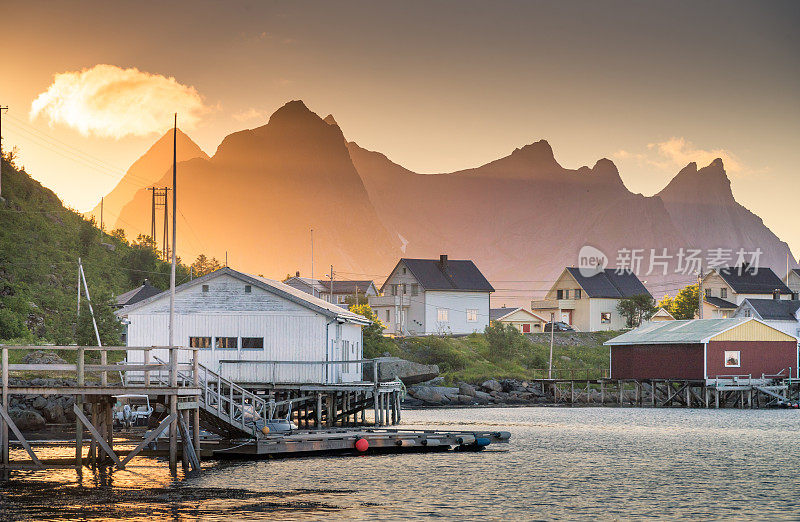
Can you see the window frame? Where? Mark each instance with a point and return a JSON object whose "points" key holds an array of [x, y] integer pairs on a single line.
{"points": [[243, 347], [605, 317], [205, 289], [216, 343], [578, 293], [440, 313], [248, 289], [210, 342], [728, 354], [472, 315]]}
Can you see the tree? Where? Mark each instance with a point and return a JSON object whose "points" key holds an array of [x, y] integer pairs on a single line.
{"points": [[372, 335], [684, 305], [506, 341], [142, 261], [351, 299], [636, 309], [203, 265], [108, 325], [119, 233]]}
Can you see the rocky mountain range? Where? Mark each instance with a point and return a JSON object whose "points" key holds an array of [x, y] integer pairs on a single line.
{"points": [[521, 218]]}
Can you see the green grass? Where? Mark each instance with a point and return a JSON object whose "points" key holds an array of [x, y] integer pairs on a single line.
{"points": [[472, 359]]}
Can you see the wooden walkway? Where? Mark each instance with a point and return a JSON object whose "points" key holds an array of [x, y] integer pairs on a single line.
{"points": [[741, 392]]}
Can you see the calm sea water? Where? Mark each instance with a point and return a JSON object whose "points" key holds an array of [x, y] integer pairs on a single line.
{"points": [[562, 463]]}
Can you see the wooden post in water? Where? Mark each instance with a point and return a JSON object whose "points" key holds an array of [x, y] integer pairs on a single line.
{"points": [[196, 410], [173, 410], [79, 402], [3, 425]]}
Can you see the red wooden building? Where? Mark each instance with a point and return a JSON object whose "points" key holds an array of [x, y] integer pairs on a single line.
{"points": [[703, 349]]}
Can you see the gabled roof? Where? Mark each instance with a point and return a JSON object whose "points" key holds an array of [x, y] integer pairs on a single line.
{"points": [[720, 303], [663, 312], [276, 287], [452, 274], [137, 294], [690, 331], [609, 283], [774, 309], [752, 280], [346, 287], [497, 314]]}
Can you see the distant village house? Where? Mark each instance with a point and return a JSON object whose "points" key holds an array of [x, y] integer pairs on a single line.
{"points": [[340, 292], [724, 289], [523, 320], [433, 297], [589, 304]]}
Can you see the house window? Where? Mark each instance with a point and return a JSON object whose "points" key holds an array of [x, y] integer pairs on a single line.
{"points": [[248, 289], [404, 271], [388, 320], [605, 317], [200, 342], [226, 343], [747, 313], [472, 316], [205, 289], [441, 315], [708, 292], [566, 294], [394, 289], [733, 359], [404, 289], [577, 293], [414, 289], [723, 293], [559, 294], [252, 343]]}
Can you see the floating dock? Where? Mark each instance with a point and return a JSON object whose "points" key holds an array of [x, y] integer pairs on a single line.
{"points": [[360, 441]]}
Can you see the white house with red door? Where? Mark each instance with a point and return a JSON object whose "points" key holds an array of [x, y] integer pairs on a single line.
{"points": [[523, 320]]}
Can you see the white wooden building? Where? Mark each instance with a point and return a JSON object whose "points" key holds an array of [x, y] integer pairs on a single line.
{"points": [[240, 321]]}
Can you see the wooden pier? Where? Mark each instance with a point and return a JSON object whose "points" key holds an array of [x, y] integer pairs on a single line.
{"points": [[731, 392], [193, 395], [98, 397]]}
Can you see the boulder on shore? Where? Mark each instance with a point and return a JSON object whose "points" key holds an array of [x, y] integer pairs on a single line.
{"points": [[492, 385], [390, 368], [42, 357], [27, 420]]}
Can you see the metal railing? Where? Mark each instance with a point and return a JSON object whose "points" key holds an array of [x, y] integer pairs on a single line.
{"points": [[572, 374]]}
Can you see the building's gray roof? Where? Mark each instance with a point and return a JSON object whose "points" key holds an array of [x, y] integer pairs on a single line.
{"points": [[341, 286], [276, 287], [609, 283], [497, 313], [751, 280], [137, 294], [455, 274], [690, 331], [775, 309], [719, 302]]}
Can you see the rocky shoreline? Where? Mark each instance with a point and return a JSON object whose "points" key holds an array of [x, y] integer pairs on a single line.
{"points": [[34, 412], [504, 392]]}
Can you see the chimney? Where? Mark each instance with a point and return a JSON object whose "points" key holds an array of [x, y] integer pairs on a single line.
{"points": [[297, 274], [443, 261], [776, 294]]}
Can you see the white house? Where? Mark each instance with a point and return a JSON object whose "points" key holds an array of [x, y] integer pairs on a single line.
{"points": [[781, 314], [523, 320], [433, 297], [724, 289], [237, 319], [589, 304]]}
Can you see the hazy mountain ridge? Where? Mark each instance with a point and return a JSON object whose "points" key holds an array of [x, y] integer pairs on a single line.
{"points": [[522, 217]]}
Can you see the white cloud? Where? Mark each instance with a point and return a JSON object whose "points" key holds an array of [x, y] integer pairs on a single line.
{"points": [[249, 115], [677, 152], [112, 102]]}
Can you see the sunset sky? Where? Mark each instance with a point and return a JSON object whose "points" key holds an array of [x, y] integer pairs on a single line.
{"points": [[436, 86]]}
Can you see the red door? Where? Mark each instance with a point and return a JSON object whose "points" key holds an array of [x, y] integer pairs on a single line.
{"points": [[526, 328]]}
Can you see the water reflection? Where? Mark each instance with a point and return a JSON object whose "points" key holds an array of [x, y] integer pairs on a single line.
{"points": [[581, 463]]}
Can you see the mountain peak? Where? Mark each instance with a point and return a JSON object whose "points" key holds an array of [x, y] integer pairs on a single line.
{"points": [[708, 183], [538, 151], [292, 111], [329, 119], [605, 172]]}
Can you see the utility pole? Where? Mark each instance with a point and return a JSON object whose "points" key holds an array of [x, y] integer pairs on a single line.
{"points": [[2, 108], [700, 294], [331, 284], [173, 357], [312, 254], [160, 199], [552, 330]]}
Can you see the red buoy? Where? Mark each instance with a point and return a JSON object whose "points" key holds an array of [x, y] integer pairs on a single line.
{"points": [[362, 445]]}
